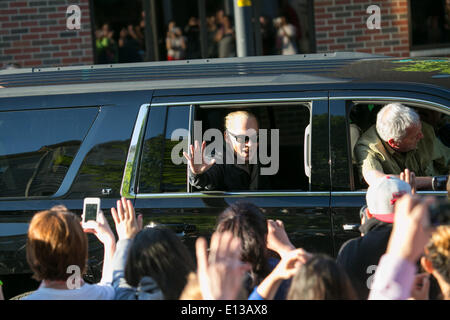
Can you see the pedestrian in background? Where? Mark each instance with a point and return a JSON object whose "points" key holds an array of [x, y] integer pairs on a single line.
{"points": [[175, 43]]}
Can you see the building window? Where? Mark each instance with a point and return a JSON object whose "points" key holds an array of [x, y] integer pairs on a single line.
{"points": [[430, 24]]}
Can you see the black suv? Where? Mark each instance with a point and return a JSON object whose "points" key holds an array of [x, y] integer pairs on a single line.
{"points": [[114, 130]]}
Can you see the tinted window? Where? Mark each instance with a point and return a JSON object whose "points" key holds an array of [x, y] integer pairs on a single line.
{"points": [[107, 145], [362, 116], [429, 23], [37, 148], [160, 170], [291, 121]]}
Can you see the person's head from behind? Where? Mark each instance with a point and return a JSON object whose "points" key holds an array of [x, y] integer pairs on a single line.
{"points": [[56, 241], [241, 131], [158, 253], [321, 278], [382, 195], [247, 222], [399, 126], [437, 258]]}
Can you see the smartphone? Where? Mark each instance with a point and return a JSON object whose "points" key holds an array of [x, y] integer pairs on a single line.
{"points": [[91, 207]]}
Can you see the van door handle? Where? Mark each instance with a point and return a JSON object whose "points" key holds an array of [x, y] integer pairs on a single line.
{"points": [[307, 152], [351, 227]]}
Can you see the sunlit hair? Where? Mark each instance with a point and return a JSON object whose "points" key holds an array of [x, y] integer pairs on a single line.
{"points": [[321, 278], [157, 252], [241, 113], [56, 241], [247, 222], [394, 119], [192, 289], [438, 251]]}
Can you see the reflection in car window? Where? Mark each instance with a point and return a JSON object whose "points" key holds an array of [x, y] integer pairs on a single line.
{"points": [[41, 145], [158, 172], [103, 166]]}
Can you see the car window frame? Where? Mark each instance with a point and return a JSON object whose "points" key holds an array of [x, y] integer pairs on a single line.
{"points": [[416, 99], [131, 170]]}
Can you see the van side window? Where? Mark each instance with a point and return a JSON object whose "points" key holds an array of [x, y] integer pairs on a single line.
{"points": [[362, 116], [161, 166], [281, 153], [37, 148]]}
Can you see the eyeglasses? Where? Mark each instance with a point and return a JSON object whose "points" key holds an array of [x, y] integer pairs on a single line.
{"points": [[242, 138]]}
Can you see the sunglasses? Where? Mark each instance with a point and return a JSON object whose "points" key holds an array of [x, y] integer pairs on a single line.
{"points": [[242, 138]]}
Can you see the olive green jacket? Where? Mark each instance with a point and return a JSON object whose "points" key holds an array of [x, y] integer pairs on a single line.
{"points": [[431, 157]]}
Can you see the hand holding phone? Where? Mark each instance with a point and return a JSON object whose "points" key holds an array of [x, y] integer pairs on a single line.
{"points": [[95, 222], [91, 208]]}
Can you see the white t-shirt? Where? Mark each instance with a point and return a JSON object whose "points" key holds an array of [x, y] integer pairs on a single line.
{"points": [[287, 38], [85, 292]]}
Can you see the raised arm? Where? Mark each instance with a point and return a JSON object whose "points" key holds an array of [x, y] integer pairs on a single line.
{"points": [[396, 270], [285, 269], [103, 232], [197, 162], [221, 274], [127, 226], [277, 238]]}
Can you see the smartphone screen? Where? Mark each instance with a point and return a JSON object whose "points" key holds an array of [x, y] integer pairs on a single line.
{"points": [[91, 211]]}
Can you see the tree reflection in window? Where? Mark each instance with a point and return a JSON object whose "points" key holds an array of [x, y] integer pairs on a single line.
{"points": [[158, 172]]}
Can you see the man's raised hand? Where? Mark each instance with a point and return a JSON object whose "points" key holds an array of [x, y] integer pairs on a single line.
{"points": [[196, 160]]}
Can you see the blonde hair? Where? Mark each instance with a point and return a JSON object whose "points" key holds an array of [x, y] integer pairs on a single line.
{"points": [[192, 289], [321, 278], [232, 115], [438, 251]]}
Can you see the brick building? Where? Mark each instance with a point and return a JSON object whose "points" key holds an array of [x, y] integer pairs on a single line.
{"points": [[341, 25], [33, 33]]}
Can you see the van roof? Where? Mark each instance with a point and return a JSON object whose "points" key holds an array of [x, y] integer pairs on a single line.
{"points": [[275, 70]]}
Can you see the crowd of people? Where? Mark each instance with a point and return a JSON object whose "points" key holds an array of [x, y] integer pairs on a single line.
{"points": [[151, 262], [403, 251], [278, 37], [129, 46]]}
